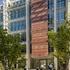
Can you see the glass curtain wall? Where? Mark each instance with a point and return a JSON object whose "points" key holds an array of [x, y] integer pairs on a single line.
{"points": [[60, 5]]}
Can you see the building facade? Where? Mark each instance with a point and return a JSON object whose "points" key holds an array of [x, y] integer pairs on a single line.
{"points": [[13, 17], [13, 14], [60, 12], [39, 28], [68, 9], [39, 32]]}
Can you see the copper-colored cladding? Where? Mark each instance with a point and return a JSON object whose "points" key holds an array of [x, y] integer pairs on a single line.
{"points": [[39, 28]]}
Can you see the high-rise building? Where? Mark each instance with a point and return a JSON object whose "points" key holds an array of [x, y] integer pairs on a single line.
{"points": [[39, 28], [39, 31], [13, 17], [60, 12]]}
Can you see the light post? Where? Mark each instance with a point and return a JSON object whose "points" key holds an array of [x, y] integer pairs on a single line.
{"points": [[27, 37], [55, 30], [55, 24]]}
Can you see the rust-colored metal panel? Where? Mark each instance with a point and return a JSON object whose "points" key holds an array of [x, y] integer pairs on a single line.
{"points": [[39, 28]]}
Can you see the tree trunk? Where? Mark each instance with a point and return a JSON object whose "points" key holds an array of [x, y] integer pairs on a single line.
{"points": [[69, 64], [13, 67], [6, 67], [17, 65]]}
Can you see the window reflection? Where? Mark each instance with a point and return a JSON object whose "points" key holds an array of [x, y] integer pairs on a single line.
{"points": [[60, 5], [14, 26]]}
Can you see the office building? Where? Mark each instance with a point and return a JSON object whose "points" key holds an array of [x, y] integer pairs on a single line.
{"points": [[39, 14], [39, 31], [62, 11], [13, 17], [58, 12]]}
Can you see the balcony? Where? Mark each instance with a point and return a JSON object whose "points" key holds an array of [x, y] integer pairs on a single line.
{"points": [[16, 4]]}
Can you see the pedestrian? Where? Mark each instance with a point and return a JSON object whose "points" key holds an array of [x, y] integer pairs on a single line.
{"points": [[50, 67]]}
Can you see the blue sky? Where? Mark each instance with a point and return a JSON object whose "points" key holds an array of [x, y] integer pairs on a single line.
{"points": [[1, 1]]}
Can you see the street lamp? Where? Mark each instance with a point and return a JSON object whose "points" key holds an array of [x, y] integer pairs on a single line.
{"points": [[27, 37], [55, 30]]}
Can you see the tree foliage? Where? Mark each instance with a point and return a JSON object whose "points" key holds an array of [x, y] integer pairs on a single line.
{"points": [[10, 48], [60, 40]]}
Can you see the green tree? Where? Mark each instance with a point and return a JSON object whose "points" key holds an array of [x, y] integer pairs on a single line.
{"points": [[10, 49], [60, 40]]}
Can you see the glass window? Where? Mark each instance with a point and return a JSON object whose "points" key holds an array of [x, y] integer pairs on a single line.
{"points": [[60, 11], [50, 4], [60, 3], [60, 16], [18, 13], [15, 26], [1, 17]]}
